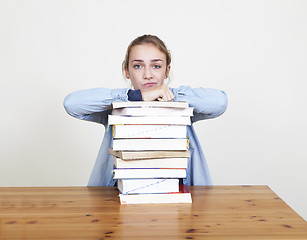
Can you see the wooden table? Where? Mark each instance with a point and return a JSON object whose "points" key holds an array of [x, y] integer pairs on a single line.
{"points": [[219, 212]]}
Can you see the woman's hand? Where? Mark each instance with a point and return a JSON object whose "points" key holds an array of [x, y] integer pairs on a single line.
{"points": [[161, 93]]}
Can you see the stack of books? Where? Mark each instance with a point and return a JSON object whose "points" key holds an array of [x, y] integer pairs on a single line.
{"points": [[150, 149]]}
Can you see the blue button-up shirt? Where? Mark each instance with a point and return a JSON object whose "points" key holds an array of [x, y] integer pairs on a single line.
{"points": [[94, 105]]}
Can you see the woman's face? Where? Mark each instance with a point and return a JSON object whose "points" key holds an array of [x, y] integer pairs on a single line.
{"points": [[147, 67]]}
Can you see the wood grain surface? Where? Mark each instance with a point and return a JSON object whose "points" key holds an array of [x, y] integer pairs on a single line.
{"points": [[219, 212]]}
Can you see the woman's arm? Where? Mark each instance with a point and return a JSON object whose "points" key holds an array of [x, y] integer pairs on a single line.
{"points": [[93, 104], [207, 102]]}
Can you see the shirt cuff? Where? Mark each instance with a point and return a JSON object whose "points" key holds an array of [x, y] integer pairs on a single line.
{"points": [[135, 95]]}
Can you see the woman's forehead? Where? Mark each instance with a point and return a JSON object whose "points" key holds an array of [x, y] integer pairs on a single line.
{"points": [[146, 52]]}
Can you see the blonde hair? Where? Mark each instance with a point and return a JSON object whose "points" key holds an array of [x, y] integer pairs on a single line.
{"points": [[146, 39]]}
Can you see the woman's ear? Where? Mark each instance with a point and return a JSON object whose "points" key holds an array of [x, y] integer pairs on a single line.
{"points": [[127, 73], [168, 68]]}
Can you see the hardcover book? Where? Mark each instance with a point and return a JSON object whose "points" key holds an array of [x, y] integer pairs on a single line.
{"points": [[125, 173], [146, 144], [153, 111], [136, 186], [149, 131], [183, 196], [117, 120], [151, 163], [141, 104], [134, 155]]}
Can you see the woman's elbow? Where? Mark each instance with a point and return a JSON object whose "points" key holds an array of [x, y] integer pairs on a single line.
{"points": [[221, 104], [69, 105]]}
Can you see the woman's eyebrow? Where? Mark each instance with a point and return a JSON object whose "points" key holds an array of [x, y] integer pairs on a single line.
{"points": [[156, 60], [152, 60]]}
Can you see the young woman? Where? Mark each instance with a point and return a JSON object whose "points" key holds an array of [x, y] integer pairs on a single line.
{"points": [[147, 65]]}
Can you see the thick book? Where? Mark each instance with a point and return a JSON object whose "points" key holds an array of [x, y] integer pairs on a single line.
{"points": [[136, 186], [140, 104], [153, 111], [133, 155], [183, 196], [127, 173], [151, 163], [117, 120], [149, 131], [146, 144]]}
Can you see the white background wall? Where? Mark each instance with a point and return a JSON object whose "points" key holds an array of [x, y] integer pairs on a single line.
{"points": [[254, 50]]}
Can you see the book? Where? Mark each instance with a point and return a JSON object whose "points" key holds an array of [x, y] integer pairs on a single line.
{"points": [[183, 196], [153, 111], [145, 144], [141, 104], [125, 173], [117, 120], [151, 163], [133, 155], [149, 131], [133, 186]]}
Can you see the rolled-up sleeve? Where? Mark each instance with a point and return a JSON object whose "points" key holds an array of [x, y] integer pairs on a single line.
{"points": [[207, 102], [89, 104]]}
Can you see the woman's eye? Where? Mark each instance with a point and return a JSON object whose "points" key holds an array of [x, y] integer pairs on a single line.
{"points": [[157, 66], [137, 66]]}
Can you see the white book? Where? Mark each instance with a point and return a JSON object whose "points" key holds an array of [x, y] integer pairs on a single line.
{"points": [[149, 131], [116, 120], [149, 104], [153, 111], [165, 144], [152, 163], [134, 155], [136, 186], [184, 196], [125, 173]]}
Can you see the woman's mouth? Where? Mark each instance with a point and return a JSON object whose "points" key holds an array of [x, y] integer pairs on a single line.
{"points": [[149, 84]]}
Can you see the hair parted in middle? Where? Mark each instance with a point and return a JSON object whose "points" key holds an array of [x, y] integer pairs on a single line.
{"points": [[146, 39]]}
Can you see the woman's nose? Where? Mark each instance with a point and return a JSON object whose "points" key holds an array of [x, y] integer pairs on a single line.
{"points": [[147, 73]]}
